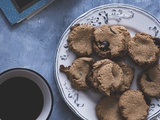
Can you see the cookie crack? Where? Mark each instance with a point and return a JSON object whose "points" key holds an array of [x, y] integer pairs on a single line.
{"points": [[112, 31]]}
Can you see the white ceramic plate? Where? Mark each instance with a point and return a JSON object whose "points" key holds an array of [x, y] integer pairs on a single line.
{"points": [[135, 20]]}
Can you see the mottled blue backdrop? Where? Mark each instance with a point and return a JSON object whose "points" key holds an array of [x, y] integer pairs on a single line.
{"points": [[32, 44]]}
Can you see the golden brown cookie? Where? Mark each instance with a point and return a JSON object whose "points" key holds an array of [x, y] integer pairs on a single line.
{"points": [[106, 77], [80, 39], [142, 49], [110, 41], [107, 108], [150, 81], [133, 105], [78, 71], [126, 34], [128, 75]]}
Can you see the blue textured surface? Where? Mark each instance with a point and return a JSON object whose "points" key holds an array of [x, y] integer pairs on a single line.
{"points": [[32, 44], [13, 15]]}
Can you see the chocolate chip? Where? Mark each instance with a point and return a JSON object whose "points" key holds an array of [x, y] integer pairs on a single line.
{"points": [[157, 41], [104, 46]]}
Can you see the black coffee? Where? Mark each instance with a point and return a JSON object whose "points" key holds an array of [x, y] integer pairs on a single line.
{"points": [[20, 99]]}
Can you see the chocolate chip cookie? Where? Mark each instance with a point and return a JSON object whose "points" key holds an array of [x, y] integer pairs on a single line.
{"points": [[142, 49], [133, 105], [78, 71], [106, 77], [150, 81], [107, 108], [80, 39], [109, 41]]}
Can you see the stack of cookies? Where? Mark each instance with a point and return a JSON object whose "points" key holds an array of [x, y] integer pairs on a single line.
{"points": [[99, 65]]}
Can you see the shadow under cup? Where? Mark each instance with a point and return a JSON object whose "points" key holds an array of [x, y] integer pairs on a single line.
{"points": [[24, 95]]}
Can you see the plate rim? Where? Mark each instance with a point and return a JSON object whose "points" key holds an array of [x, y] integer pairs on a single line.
{"points": [[111, 5]]}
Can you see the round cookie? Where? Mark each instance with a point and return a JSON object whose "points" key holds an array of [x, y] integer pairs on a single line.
{"points": [[128, 75], [107, 108], [133, 105], [109, 41], [142, 49], [78, 71], [123, 30], [150, 81], [80, 39], [106, 77]]}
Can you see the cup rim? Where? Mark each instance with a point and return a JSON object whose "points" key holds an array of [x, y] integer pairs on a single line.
{"points": [[45, 81]]}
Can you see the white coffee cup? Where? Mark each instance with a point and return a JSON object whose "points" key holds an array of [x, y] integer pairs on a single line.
{"points": [[38, 80]]}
